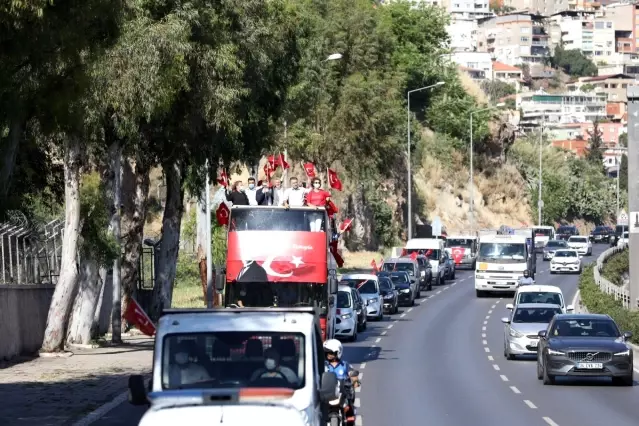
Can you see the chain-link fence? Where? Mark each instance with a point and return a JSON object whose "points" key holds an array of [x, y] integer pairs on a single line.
{"points": [[30, 252]]}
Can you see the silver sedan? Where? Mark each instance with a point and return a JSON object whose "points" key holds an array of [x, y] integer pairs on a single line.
{"points": [[521, 328]]}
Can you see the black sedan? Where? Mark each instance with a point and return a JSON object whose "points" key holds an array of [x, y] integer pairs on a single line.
{"points": [[401, 281], [584, 345], [601, 234], [389, 294], [566, 231]]}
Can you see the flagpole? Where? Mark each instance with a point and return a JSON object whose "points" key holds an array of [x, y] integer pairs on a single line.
{"points": [[285, 171], [210, 291]]}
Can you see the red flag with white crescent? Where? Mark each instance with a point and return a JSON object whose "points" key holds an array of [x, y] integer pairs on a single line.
{"points": [[136, 316], [309, 169], [222, 214]]}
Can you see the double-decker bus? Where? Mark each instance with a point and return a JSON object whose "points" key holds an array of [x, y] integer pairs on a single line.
{"points": [[280, 257]]}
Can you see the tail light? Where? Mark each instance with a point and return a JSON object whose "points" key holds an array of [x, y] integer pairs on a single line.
{"points": [[323, 327]]}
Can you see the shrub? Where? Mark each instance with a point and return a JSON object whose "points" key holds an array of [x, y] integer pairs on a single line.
{"points": [[616, 266], [602, 303]]}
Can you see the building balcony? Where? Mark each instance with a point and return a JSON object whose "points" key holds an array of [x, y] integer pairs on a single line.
{"points": [[543, 43]]}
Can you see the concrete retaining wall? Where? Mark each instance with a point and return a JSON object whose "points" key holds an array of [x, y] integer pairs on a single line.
{"points": [[23, 318]]}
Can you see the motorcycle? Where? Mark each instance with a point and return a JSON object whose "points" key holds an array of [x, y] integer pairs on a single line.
{"points": [[341, 410]]}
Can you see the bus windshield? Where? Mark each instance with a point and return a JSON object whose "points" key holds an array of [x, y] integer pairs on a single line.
{"points": [[502, 251], [459, 242], [546, 232], [277, 219], [280, 294]]}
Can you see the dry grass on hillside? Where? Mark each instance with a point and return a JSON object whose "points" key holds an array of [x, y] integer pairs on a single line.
{"points": [[472, 87]]}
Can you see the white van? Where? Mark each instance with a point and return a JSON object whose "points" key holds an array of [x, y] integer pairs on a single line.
{"points": [[540, 294], [543, 234], [434, 248]]}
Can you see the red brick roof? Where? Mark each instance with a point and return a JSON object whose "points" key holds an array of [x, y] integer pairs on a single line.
{"points": [[500, 66]]}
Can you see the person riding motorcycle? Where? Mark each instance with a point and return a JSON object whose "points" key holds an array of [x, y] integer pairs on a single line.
{"points": [[335, 364], [526, 279]]}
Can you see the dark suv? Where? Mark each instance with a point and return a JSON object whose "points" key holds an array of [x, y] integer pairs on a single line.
{"points": [[566, 231], [601, 234]]}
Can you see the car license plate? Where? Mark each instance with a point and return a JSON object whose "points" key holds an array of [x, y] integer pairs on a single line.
{"points": [[533, 343], [590, 365]]}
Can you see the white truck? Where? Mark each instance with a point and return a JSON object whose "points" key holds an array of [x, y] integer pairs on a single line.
{"points": [[503, 257]]}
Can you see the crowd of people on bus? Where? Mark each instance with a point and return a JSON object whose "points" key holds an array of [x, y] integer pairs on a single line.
{"points": [[262, 194]]}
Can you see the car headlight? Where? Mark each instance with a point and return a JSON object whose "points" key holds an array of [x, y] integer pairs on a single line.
{"points": [[554, 352], [388, 296], [479, 276], [624, 353], [423, 273], [347, 316], [369, 301], [405, 290], [515, 333], [575, 262]]}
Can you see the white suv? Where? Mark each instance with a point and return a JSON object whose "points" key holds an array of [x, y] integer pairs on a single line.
{"points": [[580, 243], [565, 261]]}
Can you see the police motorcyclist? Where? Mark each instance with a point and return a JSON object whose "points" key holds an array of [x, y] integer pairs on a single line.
{"points": [[526, 279], [335, 364]]}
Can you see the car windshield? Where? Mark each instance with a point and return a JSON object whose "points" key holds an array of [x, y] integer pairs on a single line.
{"points": [[600, 229], [566, 253], [276, 219], [385, 284], [544, 232], [429, 253], [540, 297], [459, 242], [620, 228], [232, 359], [363, 286], [502, 251], [585, 328], [578, 239], [566, 229], [555, 244], [540, 315], [625, 234], [399, 279], [399, 266], [343, 299]]}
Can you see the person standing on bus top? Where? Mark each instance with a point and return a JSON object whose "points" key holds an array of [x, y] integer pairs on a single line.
{"points": [[264, 196], [294, 196], [317, 197], [237, 195], [251, 192]]}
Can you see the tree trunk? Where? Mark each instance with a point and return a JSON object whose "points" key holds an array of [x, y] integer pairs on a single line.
{"points": [[95, 326], [135, 195], [170, 243], [115, 166], [86, 301], [65, 288], [202, 239], [9, 154]]}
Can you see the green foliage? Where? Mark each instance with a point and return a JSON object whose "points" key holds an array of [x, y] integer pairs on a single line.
{"points": [[383, 223], [595, 148], [497, 89], [598, 302], [573, 62], [616, 266], [587, 87], [97, 241], [187, 272], [623, 140], [623, 174]]}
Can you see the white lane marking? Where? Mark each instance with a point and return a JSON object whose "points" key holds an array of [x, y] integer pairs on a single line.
{"points": [[493, 307], [423, 300], [485, 322], [103, 410], [360, 375], [490, 312], [438, 292], [390, 326], [483, 328], [408, 310], [359, 421], [487, 349], [498, 300], [358, 389], [550, 422], [358, 403], [384, 333], [636, 370], [395, 321], [504, 378], [362, 366], [490, 358], [483, 342], [487, 316], [402, 315], [530, 404], [483, 335], [514, 389], [454, 284], [446, 288], [496, 367], [379, 339]]}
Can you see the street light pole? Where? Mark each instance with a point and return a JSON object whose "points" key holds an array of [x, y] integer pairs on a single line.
{"points": [[472, 166], [409, 217], [541, 141]]}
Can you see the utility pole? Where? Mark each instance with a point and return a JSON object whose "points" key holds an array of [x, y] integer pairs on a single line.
{"points": [[540, 202], [116, 313], [633, 192], [472, 180], [209, 255]]}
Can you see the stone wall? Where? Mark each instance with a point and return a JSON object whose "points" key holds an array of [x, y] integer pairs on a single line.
{"points": [[23, 317]]}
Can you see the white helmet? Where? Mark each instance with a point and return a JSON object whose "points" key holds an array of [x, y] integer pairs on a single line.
{"points": [[335, 346]]}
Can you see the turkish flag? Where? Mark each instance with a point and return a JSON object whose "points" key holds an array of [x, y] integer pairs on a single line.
{"points": [[331, 208], [268, 171], [458, 254], [338, 259], [309, 168], [413, 255], [223, 179], [282, 162], [136, 316], [346, 225], [374, 266], [272, 161], [222, 214], [333, 180], [404, 252]]}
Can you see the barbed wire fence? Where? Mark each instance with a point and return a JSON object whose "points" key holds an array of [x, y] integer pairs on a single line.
{"points": [[30, 251]]}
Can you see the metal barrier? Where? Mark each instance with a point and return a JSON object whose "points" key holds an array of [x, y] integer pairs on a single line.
{"points": [[618, 292], [30, 253]]}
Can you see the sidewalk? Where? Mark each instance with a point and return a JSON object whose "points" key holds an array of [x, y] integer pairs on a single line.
{"points": [[59, 391]]}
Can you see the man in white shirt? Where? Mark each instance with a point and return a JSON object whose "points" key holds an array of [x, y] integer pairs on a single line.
{"points": [[251, 191], [295, 196]]}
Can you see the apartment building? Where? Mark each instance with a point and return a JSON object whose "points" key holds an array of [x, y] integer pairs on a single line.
{"points": [[614, 86], [514, 39], [478, 64], [540, 7], [572, 107], [467, 9], [610, 132], [462, 34]]}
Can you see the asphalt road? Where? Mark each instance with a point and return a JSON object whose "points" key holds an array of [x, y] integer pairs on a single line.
{"points": [[436, 364]]}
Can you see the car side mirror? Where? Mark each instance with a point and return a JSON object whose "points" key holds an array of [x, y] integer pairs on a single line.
{"points": [[627, 335], [328, 386], [542, 334], [505, 320], [570, 308], [220, 280], [510, 307], [137, 391]]}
